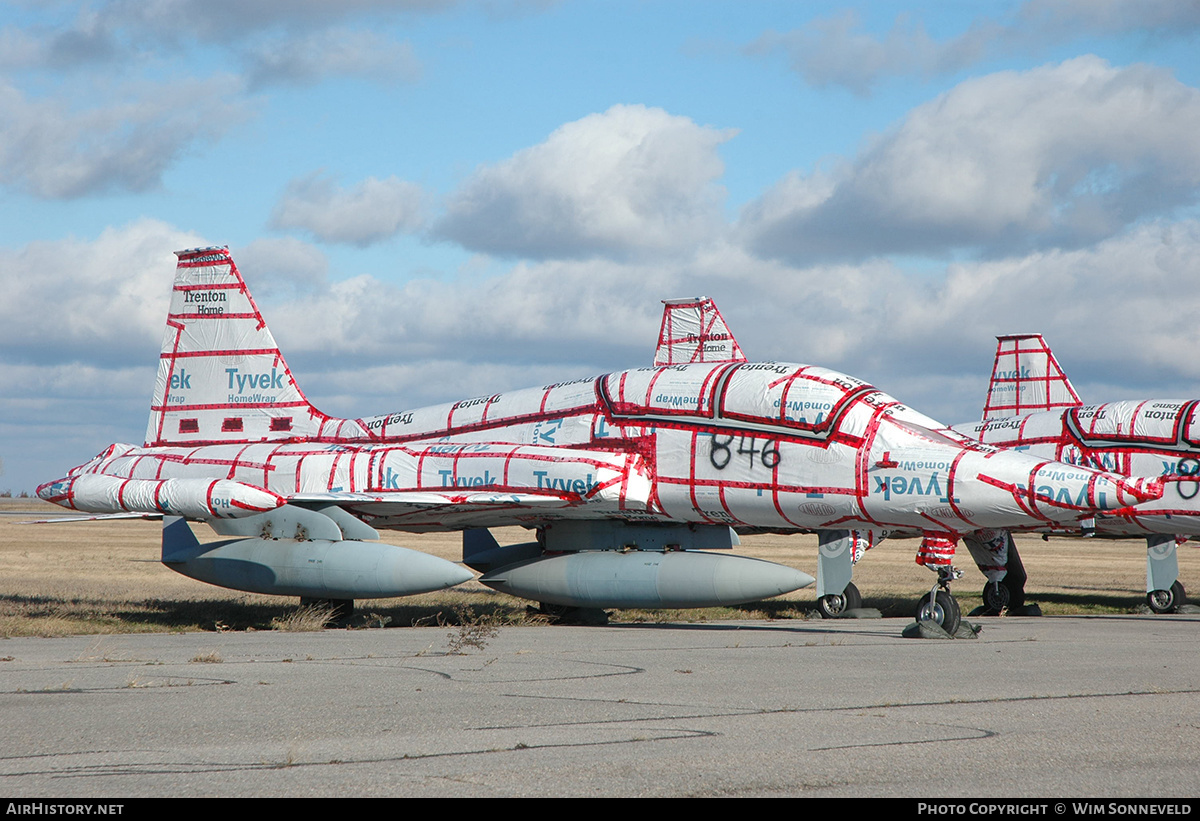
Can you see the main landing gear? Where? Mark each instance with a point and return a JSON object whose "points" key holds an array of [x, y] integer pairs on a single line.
{"points": [[939, 606], [1164, 592], [995, 598], [837, 552], [1007, 593], [1167, 601], [835, 605]]}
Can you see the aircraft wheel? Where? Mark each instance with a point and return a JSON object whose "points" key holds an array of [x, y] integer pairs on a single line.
{"points": [[995, 598], [853, 597], [835, 605], [944, 610], [1166, 601]]}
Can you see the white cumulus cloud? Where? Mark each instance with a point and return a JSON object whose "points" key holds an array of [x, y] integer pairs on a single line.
{"points": [[278, 266], [101, 301], [838, 51], [57, 151], [629, 181], [366, 213], [1058, 156], [308, 59], [834, 51]]}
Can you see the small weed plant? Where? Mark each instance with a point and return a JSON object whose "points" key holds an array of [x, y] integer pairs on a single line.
{"points": [[307, 618], [472, 630]]}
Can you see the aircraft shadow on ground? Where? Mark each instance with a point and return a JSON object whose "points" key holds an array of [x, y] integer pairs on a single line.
{"points": [[468, 607], [101, 615]]}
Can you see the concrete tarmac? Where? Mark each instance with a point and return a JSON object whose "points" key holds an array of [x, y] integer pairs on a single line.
{"points": [[1058, 706]]}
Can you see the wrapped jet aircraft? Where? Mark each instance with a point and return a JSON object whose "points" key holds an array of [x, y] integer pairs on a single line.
{"points": [[1032, 408], [630, 480]]}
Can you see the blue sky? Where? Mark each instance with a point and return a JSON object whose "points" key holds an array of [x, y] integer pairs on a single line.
{"points": [[433, 200]]}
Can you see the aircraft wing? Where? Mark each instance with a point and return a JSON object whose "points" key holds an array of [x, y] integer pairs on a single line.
{"points": [[102, 517], [452, 485], [418, 510], [431, 487]]}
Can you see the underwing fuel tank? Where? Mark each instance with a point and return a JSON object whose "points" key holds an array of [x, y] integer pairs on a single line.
{"points": [[315, 568], [645, 578]]}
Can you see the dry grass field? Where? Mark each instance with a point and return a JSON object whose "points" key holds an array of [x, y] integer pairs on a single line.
{"points": [[105, 577]]}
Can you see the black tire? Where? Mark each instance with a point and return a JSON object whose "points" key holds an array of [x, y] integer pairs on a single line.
{"points": [[944, 610], [835, 605], [995, 598], [853, 597], [1166, 601]]}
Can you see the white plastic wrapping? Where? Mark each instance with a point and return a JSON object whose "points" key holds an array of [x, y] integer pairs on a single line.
{"points": [[704, 437], [1026, 378], [693, 330], [1137, 438]]}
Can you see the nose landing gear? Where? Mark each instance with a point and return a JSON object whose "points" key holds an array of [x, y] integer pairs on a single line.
{"points": [[939, 606]]}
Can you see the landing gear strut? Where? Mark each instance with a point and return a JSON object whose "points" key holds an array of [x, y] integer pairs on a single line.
{"points": [[939, 606], [1014, 581]]}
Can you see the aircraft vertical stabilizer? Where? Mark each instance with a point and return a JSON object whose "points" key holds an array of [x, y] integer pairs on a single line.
{"points": [[1026, 378], [693, 330], [221, 377]]}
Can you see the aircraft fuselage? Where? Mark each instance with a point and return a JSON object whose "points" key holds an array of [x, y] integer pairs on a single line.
{"points": [[1153, 437], [750, 445]]}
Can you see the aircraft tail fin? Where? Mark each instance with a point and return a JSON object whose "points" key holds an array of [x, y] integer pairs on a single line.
{"points": [[221, 376], [693, 330], [1026, 378]]}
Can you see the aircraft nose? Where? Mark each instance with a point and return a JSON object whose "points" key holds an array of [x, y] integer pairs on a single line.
{"points": [[52, 491], [1098, 490], [1137, 490], [1052, 491]]}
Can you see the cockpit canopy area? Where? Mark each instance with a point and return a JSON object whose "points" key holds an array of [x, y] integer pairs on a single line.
{"points": [[805, 400], [1162, 422]]}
